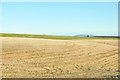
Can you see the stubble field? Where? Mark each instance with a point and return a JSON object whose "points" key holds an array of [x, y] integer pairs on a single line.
{"points": [[47, 58]]}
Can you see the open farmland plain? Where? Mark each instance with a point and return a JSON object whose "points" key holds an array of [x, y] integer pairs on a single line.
{"points": [[39, 58]]}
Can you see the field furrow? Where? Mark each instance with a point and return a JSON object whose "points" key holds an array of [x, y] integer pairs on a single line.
{"points": [[38, 58]]}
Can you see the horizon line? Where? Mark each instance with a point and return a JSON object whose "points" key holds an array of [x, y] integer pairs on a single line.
{"points": [[59, 34]]}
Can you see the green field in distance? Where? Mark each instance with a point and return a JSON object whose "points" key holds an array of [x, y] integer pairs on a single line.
{"points": [[50, 36]]}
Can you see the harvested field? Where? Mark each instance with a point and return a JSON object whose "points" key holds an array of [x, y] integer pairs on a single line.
{"points": [[39, 58]]}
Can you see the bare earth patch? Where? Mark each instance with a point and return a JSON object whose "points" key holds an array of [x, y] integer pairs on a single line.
{"points": [[39, 58]]}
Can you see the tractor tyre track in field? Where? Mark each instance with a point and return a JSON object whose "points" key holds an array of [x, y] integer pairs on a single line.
{"points": [[39, 58]]}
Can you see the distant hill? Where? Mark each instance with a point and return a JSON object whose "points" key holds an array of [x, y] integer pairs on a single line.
{"points": [[52, 36], [83, 35], [108, 36]]}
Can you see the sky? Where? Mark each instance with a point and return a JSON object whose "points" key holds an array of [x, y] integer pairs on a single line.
{"points": [[60, 18]]}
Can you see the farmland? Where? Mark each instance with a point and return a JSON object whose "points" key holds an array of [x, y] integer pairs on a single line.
{"points": [[33, 56], [51, 37]]}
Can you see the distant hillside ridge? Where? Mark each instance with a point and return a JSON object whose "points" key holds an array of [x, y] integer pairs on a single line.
{"points": [[108, 36], [83, 35], [51, 36]]}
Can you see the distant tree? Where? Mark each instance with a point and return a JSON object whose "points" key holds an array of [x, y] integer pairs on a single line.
{"points": [[43, 35], [88, 35]]}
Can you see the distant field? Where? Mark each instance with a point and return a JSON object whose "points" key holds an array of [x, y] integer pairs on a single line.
{"points": [[50, 36], [48, 58]]}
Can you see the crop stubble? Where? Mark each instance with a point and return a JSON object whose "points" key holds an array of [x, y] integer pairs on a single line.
{"points": [[39, 58]]}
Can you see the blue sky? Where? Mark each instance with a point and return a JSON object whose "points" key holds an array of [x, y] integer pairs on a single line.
{"points": [[60, 18]]}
